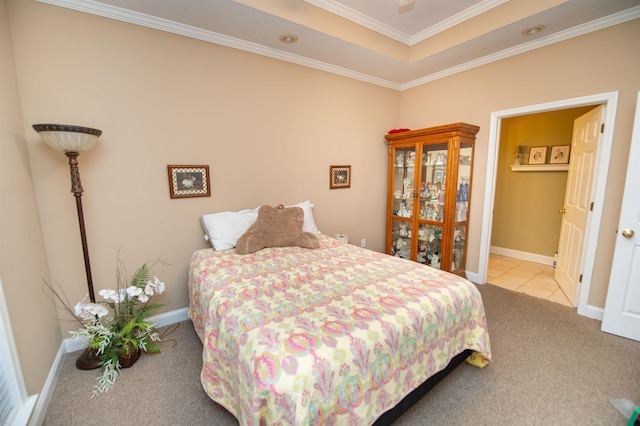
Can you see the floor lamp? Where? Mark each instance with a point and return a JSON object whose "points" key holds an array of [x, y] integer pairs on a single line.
{"points": [[73, 140]]}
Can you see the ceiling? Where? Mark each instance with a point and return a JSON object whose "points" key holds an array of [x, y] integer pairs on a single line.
{"points": [[392, 43]]}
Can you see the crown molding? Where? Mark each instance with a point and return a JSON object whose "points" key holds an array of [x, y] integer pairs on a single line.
{"points": [[595, 25], [136, 18], [461, 17], [408, 39], [120, 14]]}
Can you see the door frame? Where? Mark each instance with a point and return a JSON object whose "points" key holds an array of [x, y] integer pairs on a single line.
{"points": [[603, 157]]}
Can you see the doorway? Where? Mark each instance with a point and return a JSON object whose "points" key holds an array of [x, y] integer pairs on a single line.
{"points": [[529, 204], [609, 100]]}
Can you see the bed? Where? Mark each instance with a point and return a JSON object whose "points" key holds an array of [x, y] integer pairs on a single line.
{"points": [[333, 335]]}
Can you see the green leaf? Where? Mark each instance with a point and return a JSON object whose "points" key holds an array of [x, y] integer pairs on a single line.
{"points": [[141, 276], [152, 347]]}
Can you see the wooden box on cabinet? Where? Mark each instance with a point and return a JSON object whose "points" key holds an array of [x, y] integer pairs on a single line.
{"points": [[429, 193]]}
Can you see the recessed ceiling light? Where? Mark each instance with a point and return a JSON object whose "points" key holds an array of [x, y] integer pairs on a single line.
{"points": [[288, 38], [533, 30]]}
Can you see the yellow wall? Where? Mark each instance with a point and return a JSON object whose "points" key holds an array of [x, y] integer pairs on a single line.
{"points": [[269, 130], [23, 261], [607, 61], [525, 214]]}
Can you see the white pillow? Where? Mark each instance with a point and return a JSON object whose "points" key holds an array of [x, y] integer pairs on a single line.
{"points": [[224, 228], [309, 224]]}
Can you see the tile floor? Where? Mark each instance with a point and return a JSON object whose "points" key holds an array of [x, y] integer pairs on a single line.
{"points": [[534, 279]]}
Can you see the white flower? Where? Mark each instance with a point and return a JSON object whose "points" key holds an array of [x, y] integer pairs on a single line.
{"points": [[149, 288], [89, 311], [133, 291], [159, 285], [79, 309], [123, 294], [96, 309], [143, 298], [108, 294]]}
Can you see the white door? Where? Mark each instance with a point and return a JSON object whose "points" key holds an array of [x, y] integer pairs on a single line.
{"points": [[622, 308], [577, 201]]}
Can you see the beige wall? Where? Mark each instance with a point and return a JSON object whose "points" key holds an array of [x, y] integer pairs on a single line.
{"points": [[525, 213], [603, 61], [23, 262], [268, 129]]}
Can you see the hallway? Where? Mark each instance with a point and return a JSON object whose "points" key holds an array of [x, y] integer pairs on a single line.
{"points": [[534, 279]]}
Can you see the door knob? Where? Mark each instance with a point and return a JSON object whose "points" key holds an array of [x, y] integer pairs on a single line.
{"points": [[563, 211], [627, 233]]}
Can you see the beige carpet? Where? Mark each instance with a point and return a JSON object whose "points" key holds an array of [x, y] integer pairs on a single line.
{"points": [[550, 367]]}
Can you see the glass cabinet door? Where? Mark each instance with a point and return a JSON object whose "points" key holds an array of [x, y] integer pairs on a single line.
{"points": [[429, 244], [464, 178], [433, 179], [462, 207], [404, 182], [401, 234], [404, 190]]}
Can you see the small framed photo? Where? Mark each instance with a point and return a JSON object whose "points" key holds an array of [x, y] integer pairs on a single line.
{"points": [[560, 154], [339, 177], [538, 155], [189, 181]]}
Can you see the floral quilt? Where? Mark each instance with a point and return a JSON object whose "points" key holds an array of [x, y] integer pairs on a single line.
{"points": [[335, 335]]}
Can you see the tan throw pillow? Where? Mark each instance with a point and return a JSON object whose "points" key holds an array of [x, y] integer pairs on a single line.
{"points": [[276, 227]]}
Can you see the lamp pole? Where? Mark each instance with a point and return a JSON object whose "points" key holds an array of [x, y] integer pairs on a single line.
{"points": [[76, 189]]}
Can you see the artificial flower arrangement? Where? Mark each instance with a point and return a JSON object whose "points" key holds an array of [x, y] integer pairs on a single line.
{"points": [[116, 327]]}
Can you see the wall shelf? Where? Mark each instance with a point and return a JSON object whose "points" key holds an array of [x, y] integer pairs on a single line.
{"points": [[540, 168]]}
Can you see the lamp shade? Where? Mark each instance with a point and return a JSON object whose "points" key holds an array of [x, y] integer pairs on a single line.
{"points": [[63, 137]]}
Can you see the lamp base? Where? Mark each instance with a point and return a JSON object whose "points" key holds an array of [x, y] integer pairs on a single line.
{"points": [[88, 360]]}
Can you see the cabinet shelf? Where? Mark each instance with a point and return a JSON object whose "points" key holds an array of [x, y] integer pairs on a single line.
{"points": [[540, 168]]}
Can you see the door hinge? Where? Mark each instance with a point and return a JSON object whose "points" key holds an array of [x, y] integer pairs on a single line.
{"points": [[591, 207], [602, 128], [580, 279]]}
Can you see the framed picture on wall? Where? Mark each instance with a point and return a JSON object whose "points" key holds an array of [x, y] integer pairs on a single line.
{"points": [[339, 177], [189, 181], [538, 155], [560, 154]]}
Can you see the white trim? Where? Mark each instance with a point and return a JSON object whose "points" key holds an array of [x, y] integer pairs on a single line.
{"points": [[593, 312], [598, 24], [473, 277], [522, 255], [136, 18], [540, 168], [610, 100], [21, 404], [49, 386], [352, 15]]}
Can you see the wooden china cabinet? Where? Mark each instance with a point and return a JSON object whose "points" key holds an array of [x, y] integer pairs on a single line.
{"points": [[429, 193]]}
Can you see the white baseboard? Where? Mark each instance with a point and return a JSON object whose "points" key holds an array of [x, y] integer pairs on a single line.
{"points": [[49, 386], [472, 276], [593, 312], [74, 344], [532, 257]]}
